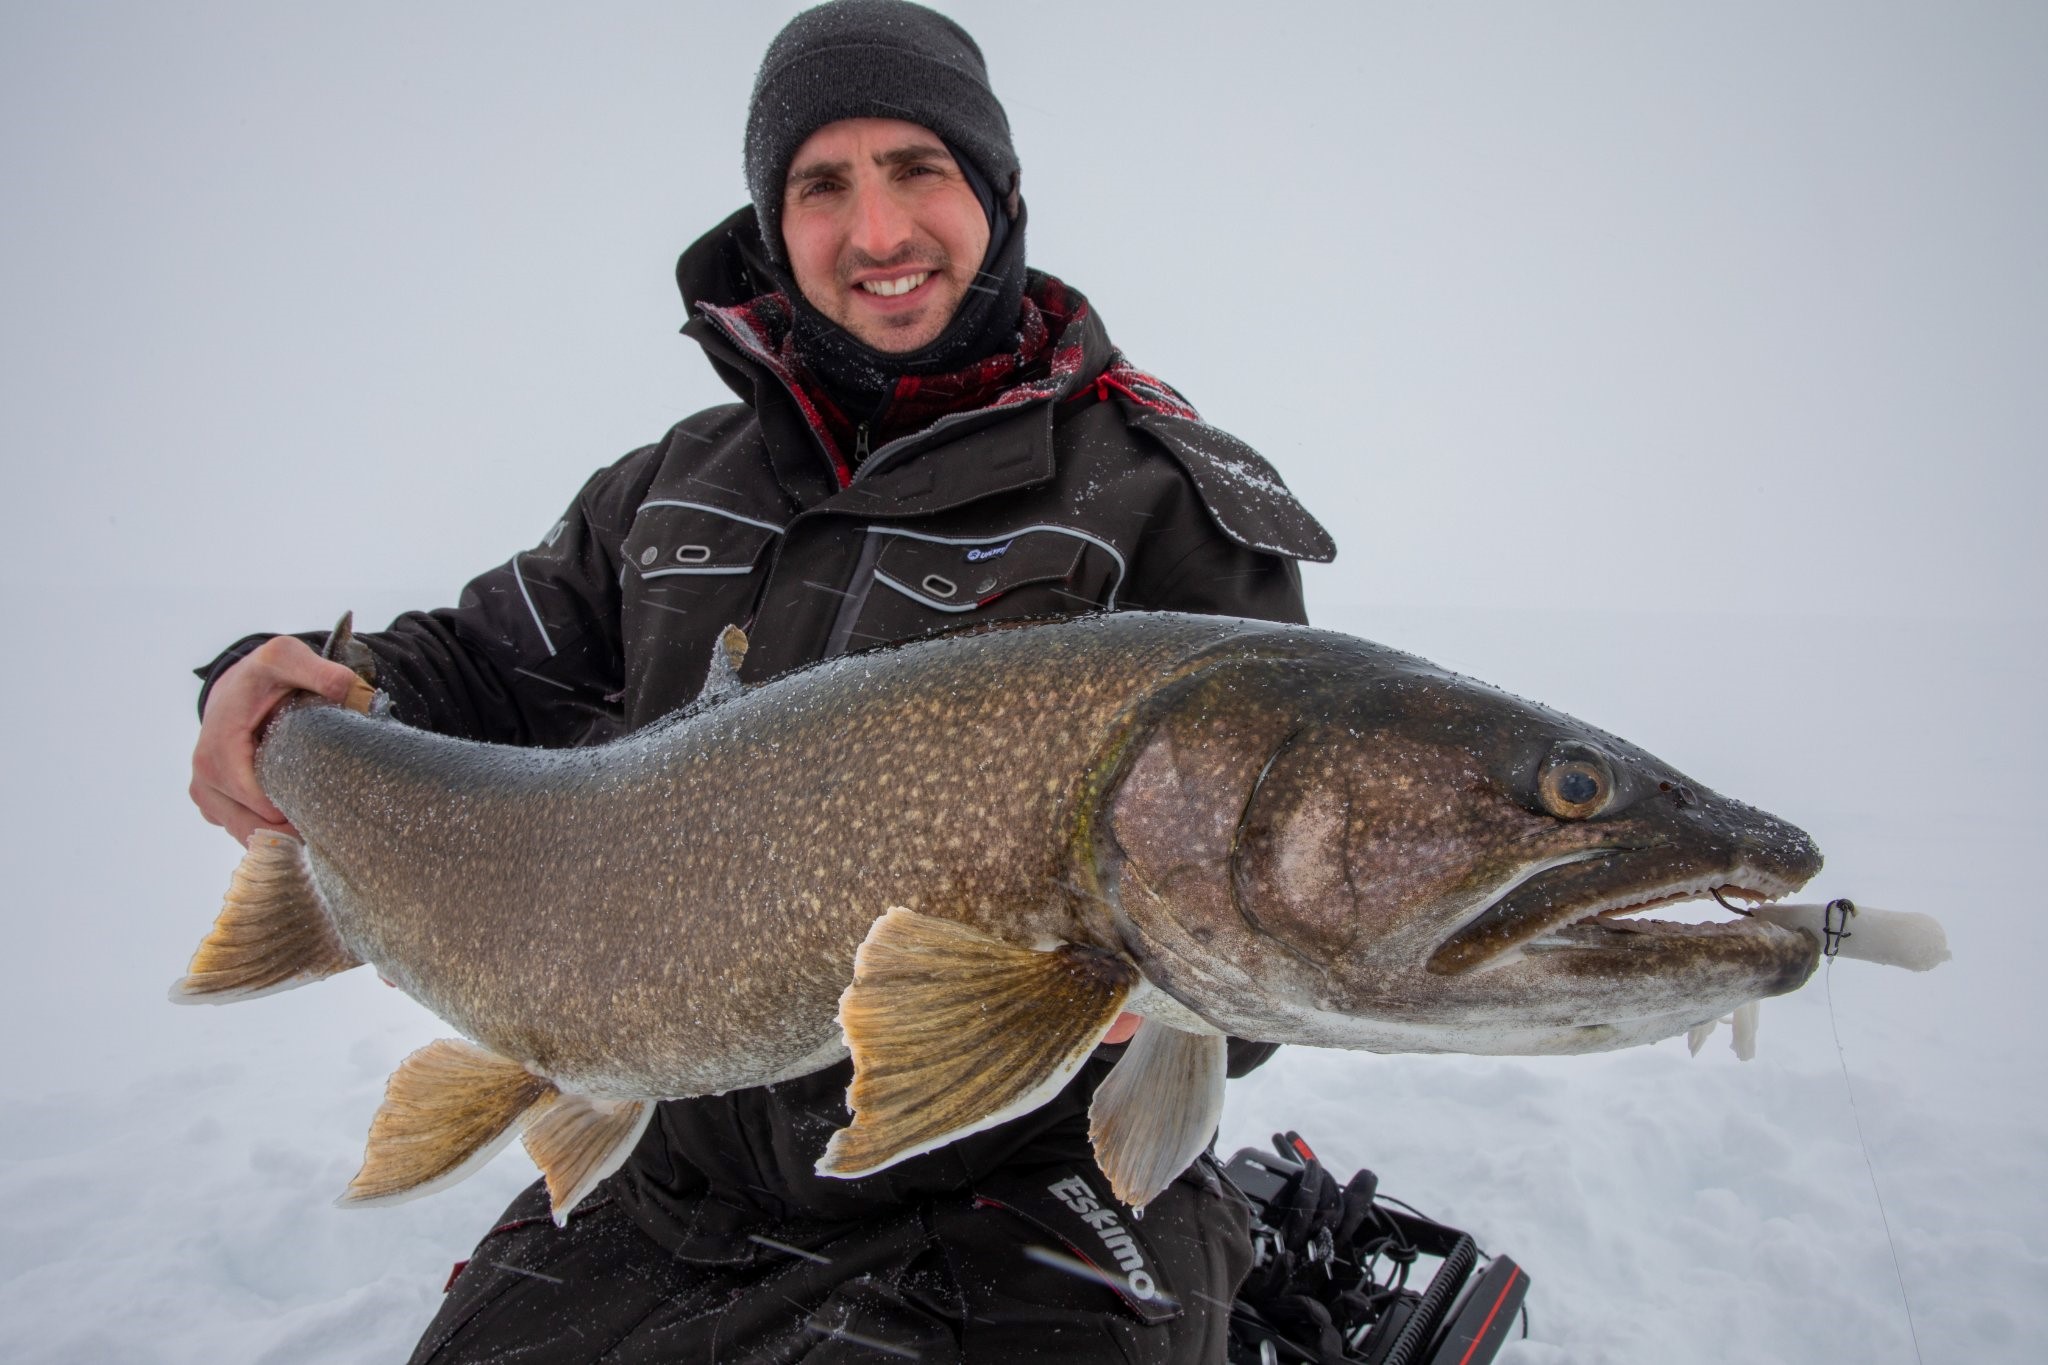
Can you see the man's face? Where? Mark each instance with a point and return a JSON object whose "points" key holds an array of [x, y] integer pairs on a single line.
{"points": [[883, 233]]}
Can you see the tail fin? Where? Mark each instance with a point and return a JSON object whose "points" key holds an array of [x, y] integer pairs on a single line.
{"points": [[272, 933]]}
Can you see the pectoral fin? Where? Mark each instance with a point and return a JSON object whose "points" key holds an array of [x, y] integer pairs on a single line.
{"points": [[577, 1141], [447, 1110], [1696, 1036], [1745, 1021], [1157, 1109], [272, 933], [953, 1031]]}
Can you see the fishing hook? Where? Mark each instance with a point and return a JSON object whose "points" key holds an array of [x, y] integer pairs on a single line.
{"points": [[1716, 894]]}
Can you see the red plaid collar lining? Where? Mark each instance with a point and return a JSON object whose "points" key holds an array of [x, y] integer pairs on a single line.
{"points": [[1049, 351]]}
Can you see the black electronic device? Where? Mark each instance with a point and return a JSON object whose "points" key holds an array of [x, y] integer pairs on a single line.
{"points": [[1332, 1271]]}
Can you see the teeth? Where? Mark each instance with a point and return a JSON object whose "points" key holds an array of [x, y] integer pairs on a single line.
{"points": [[1722, 891], [889, 289]]}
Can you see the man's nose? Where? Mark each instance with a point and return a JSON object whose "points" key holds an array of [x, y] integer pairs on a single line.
{"points": [[881, 224]]}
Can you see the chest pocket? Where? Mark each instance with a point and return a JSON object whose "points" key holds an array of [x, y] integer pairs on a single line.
{"points": [[681, 541], [960, 577], [923, 584]]}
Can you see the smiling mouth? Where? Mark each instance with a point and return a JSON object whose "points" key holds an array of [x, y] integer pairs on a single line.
{"points": [[1581, 905], [889, 289]]}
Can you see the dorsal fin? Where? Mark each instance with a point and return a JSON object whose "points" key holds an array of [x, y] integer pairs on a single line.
{"points": [[728, 652]]}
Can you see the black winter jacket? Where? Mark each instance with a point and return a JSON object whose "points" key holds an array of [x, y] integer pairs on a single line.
{"points": [[1086, 485]]}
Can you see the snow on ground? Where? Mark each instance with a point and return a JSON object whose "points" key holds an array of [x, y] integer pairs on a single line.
{"points": [[169, 1171]]}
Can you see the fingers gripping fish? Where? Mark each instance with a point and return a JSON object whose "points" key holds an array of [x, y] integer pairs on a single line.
{"points": [[960, 859]]}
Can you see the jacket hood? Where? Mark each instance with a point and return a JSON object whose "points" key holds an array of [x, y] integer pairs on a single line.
{"points": [[725, 266], [725, 270]]}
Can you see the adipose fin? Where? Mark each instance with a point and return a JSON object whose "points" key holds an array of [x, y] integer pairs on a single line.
{"points": [[344, 648]]}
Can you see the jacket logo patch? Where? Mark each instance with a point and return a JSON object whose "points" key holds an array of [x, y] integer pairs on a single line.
{"points": [[978, 553], [1075, 1194]]}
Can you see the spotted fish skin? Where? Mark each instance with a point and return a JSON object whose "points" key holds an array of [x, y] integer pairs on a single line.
{"points": [[676, 913], [959, 860]]}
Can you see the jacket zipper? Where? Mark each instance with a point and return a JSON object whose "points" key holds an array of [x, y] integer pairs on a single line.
{"points": [[883, 455], [862, 464]]}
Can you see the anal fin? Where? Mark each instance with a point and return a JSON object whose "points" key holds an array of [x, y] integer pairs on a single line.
{"points": [[272, 933], [447, 1109], [953, 1031], [578, 1141], [1157, 1109]]}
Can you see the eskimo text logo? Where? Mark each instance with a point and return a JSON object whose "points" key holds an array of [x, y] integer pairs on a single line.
{"points": [[1075, 1194]]}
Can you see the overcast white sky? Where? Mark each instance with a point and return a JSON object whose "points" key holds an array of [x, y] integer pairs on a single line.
{"points": [[1651, 306]]}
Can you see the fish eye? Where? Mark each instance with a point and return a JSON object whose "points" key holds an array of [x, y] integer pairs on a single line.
{"points": [[1575, 783]]}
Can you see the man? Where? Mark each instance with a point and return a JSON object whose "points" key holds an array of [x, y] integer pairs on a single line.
{"points": [[928, 436]]}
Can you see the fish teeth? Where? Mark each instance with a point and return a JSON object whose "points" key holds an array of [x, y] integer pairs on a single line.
{"points": [[1726, 891]]}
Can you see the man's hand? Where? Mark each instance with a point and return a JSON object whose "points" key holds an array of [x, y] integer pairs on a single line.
{"points": [[224, 785], [1126, 1024]]}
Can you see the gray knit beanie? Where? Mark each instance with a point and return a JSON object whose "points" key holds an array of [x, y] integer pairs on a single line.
{"points": [[871, 59]]}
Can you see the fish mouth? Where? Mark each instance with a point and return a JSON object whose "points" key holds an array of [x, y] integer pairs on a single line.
{"points": [[1594, 900]]}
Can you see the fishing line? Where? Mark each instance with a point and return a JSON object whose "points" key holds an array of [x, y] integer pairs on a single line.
{"points": [[1835, 931]]}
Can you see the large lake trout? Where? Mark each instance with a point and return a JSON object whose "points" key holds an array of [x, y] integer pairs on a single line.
{"points": [[961, 859]]}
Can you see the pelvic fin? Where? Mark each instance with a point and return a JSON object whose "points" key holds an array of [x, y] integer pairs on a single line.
{"points": [[578, 1141]]}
